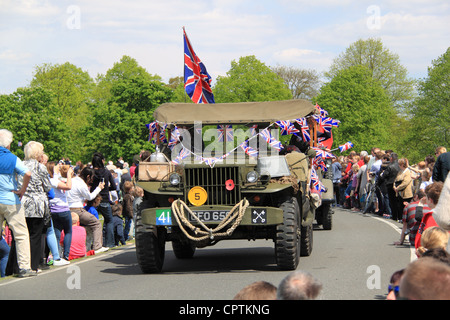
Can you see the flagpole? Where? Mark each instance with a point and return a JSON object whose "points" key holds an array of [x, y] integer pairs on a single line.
{"points": [[184, 67]]}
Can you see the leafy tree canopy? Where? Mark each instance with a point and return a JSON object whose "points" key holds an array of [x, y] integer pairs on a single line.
{"points": [[362, 106], [250, 80]]}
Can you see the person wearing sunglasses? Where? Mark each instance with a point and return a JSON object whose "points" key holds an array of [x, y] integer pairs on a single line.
{"points": [[394, 286]]}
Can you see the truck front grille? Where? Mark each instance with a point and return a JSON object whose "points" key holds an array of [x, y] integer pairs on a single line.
{"points": [[213, 181]]}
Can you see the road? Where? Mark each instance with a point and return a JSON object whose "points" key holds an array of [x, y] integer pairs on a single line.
{"points": [[354, 261]]}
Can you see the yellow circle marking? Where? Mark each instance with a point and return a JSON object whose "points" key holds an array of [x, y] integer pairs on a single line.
{"points": [[197, 196]]}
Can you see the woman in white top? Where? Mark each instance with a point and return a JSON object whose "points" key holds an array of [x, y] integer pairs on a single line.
{"points": [[76, 198], [61, 217]]}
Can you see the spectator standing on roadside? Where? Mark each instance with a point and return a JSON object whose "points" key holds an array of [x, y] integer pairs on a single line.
{"points": [[336, 170], [127, 211], [59, 207], [119, 237], [35, 202], [10, 207], [102, 174], [299, 285], [403, 187], [77, 196], [442, 164], [388, 177]]}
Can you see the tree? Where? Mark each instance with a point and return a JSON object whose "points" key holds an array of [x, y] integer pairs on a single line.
{"points": [[117, 127], [362, 106], [250, 80], [176, 84], [126, 68], [430, 112], [304, 84], [31, 115], [72, 88], [383, 65]]}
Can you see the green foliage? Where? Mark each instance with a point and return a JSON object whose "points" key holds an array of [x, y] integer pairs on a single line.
{"points": [[31, 115], [117, 127], [429, 113], [362, 106], [250, 80], [72, 89], [383, 65]]}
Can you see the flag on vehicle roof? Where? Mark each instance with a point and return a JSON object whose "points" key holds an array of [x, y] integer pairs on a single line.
{"points": [[197, 81]]}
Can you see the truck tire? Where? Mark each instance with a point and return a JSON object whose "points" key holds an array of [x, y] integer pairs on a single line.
{"points": [[287, 242], [306, 241], [150, 246]]}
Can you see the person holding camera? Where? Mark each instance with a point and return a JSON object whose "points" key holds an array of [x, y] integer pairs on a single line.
{"points": [[103, 175]]}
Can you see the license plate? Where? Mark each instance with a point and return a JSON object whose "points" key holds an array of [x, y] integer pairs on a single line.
{"points": [[209, 216]]}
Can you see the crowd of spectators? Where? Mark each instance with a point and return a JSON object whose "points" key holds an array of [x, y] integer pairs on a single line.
{"points": [[52, 212]]}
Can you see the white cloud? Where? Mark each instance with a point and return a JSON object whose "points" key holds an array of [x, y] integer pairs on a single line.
{"points": [[298, 33]]}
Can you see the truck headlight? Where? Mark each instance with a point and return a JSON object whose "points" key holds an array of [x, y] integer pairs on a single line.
{"points": [[252, 176], [174, 179]]}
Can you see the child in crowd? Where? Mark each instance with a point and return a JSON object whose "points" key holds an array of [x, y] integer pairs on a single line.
{"points": [[78, 245], [127, 212], [138, 195], [91, 206], [119, 238]]}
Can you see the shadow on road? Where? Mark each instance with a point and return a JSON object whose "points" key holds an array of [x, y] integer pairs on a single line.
{"points": [[205, 260]]}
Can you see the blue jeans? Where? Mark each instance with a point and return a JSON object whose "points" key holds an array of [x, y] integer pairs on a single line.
{"points": [[108, 227], [4, 254], [63, 221], [52, 243]]}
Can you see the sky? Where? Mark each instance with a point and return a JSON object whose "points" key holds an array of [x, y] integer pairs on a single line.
{"points": [[306, 34]]}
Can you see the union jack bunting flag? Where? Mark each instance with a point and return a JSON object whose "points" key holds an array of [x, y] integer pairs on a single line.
{"points": [[286, 127], [345, 146], [151, 130], [197, 81], [274, 143], [174, 137], [304, 128], [315, 181], [322, 112], [248, 150], [182, 155], [225, 131]]}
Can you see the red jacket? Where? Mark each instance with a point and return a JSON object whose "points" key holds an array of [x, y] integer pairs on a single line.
{"points": [[427, 222]]}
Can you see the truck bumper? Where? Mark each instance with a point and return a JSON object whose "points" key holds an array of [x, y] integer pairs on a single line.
{"points": [[212, 215]]}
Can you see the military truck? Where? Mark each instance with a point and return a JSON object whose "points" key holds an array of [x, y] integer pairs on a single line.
{"points": [[196, 196]]}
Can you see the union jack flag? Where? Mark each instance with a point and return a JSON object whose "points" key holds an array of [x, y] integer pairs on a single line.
{"points": [[151, 129], [274, 143], [327, 123], [174, 137], [304, 128], [248, 150], [197, 81], [345, 146], [209, 161], [322, 112], [287, 127], [316, 183], [182, 155], [225, 131]]}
